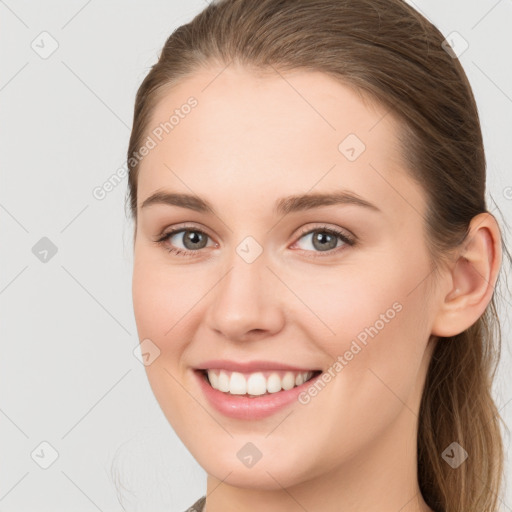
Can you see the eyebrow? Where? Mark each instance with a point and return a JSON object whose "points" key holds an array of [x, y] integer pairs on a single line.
{"points": [[283, 206]]}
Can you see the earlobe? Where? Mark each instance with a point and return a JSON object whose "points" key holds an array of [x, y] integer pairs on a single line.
{"points": [[472, 278]]}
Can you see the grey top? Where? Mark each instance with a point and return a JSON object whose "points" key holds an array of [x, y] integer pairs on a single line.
{"points": [[198, 506]]}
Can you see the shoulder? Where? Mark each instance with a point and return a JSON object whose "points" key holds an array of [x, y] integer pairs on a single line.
{"points": [[198, 506]]}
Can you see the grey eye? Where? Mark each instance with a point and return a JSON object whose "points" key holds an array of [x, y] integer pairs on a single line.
{"points": [[321, 240], [192, 239]]}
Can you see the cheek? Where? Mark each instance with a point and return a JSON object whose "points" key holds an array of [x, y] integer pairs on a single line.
{"points": [[164, 298], [168, 307], [373, 319], [350, 302]]}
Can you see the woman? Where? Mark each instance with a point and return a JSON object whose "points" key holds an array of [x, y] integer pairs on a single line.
{"points": [[314, 261]]}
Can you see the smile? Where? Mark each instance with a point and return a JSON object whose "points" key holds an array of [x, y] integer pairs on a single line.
{"points": [[257, 383], [252, 391]]}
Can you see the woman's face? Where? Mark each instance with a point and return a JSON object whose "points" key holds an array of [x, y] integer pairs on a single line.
{"points": [[268, 291]]}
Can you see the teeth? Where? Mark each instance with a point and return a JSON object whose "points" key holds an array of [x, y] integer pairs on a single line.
{"points": [[255, 384], [274, 383], [223, 382], [288, 381], [237, 384], [214, 380]]}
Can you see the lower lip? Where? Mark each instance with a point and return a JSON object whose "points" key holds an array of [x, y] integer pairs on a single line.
{"points": [[250, 408]]}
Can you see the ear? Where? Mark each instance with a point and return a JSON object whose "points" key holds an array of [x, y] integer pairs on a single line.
{"points": [[471, 279]]}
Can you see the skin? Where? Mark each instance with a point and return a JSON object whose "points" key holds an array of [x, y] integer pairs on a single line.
{"points": [[257, 139]]}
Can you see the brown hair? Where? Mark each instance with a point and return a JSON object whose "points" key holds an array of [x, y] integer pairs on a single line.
{"points": [[392, 54]]}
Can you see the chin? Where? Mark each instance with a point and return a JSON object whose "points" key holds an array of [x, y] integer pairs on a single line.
{"points": [[272, 471]]}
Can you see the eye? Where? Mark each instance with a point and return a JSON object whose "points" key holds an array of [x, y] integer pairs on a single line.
{"points": [[192, 238], [323, 239]]}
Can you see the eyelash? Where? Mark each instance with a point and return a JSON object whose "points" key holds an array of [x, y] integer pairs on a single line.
{"points": [[346, 239]]}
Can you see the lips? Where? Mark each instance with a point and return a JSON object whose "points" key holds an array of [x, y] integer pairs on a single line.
{"points": [[255, 377], [252, 390]]}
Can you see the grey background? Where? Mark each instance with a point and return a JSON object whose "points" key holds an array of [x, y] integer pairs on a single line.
{"points": [[68, 373]]}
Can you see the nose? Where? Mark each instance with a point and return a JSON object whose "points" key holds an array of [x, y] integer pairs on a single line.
{"points": [[245, 304]]}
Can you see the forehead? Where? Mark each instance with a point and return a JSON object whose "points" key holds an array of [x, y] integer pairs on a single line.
{"points": [[265, 135]]}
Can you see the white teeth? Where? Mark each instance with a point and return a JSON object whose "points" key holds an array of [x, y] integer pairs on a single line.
{"points": [[237, 384], [274, 383], [288, 381], [214, 379], [255, 384], [223, 383]]}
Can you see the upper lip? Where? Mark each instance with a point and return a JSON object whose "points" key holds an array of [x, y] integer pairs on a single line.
{"points": [[250, 366]]}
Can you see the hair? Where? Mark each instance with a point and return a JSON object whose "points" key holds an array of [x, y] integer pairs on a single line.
{"points": [[391, 54]]}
